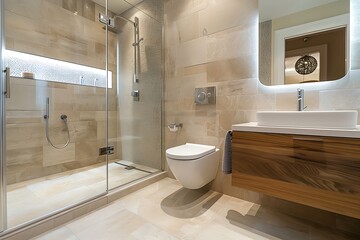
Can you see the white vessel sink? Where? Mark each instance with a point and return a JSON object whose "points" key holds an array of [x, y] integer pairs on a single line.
{"points": [[308, 119]]}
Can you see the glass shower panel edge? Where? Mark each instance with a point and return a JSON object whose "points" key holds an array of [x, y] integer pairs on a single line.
{"points": [[2, 127]]}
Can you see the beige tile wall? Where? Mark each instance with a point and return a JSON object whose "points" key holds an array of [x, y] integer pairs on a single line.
{"points": [[46, 28], [215, 43], [29, 155]]}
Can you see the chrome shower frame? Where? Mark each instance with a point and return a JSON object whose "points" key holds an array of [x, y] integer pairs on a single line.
{"points": [[3, 209]]}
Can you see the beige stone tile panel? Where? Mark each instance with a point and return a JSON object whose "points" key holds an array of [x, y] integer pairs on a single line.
{"points": [[52, 156], [237, 87], [24, 156], [188, 27], [230, 43], [266, 101], [101, 129], [22, 135], [219, 16], [228, 118], [191, 53], [226, 103], [232, 69], [25, 8], [85, 131], [175, 9], [19, 26], [343, 99], [88, 150], [68, 42], [193, 70], [27, 97], [247, 102], [22, 117]]}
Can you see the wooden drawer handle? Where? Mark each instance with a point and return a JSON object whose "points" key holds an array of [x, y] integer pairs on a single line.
{"points": [[308, 139]]}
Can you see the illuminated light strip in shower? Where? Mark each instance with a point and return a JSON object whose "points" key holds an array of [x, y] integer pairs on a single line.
{"points": [[55, 70]]}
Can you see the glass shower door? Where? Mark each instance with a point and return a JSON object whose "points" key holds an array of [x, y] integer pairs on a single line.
{"points": [[56, 114], [136, 121]]}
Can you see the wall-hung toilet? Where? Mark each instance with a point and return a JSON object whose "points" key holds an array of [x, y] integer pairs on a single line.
{"points": [[193, 165]]}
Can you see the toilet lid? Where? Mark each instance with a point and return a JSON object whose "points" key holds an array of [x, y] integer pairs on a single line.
{"points": [[189, 151]]}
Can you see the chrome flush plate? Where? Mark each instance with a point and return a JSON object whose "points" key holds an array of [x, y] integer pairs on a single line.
{"points": [[205, 95]]}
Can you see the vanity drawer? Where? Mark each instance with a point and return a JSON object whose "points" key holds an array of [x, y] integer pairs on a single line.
{"points": [[297, 165]]}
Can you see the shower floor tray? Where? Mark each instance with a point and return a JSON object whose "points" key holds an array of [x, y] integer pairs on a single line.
{"points": [[38, 197]]}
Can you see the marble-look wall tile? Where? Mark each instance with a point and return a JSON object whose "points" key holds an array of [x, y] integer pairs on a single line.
{"points": [[88, 151], [191, 53], [53, 156], [343, 99], [44, 28], [228, 44], [174, 9], [32, 96], [232, 69], [24, 135], [216, 16], [188, 27]]}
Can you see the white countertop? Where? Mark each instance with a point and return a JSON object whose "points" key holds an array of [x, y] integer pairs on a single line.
{"points": [[253, 127]]}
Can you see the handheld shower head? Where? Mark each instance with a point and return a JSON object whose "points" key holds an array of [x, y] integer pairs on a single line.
{"points": [[47, 109]]}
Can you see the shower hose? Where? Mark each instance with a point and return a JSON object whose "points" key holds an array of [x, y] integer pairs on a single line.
{"points": [[64, 118]]}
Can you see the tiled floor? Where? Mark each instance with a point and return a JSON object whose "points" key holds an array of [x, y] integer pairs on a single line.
{"points": [[165, 210], [35, 198]]}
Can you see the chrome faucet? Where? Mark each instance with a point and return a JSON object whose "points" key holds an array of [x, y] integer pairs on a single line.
{"points": [[300, 99]]}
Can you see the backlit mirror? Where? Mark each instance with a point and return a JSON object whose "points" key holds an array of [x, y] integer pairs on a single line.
{"points": [[303, 41]]}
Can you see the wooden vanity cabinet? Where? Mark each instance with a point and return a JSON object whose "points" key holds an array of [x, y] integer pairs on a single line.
{"points": [[322, 172]]}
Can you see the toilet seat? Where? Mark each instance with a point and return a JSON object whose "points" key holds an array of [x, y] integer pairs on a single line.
{"points": [[189, 151]]}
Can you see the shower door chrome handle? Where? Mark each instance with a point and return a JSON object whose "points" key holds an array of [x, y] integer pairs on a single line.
{"points": [[7, 82]]}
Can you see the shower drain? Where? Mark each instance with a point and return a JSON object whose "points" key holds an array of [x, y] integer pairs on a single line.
{"points": [[130, 167]]}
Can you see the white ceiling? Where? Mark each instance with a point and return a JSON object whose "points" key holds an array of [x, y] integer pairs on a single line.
{"points": [[279, 8], [118, 6]]}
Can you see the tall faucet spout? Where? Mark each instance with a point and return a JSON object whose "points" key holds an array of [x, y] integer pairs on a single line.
{"points": [[300, 99]]}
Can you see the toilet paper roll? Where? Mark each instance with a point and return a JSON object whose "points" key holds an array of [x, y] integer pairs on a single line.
{"points": [[173, 128]]}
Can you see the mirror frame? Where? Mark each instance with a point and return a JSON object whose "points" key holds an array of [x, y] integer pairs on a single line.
{"points": [[308, 28], [333, 84]]}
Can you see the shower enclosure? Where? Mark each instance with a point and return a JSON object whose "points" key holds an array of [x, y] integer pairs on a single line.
{"points": [[81, 104]]}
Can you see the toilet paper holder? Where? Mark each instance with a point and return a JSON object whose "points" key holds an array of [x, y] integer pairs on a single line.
{"points": [[174, 127]]}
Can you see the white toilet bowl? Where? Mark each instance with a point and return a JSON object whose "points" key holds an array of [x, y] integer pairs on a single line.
{"points": [[193, 165]]}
